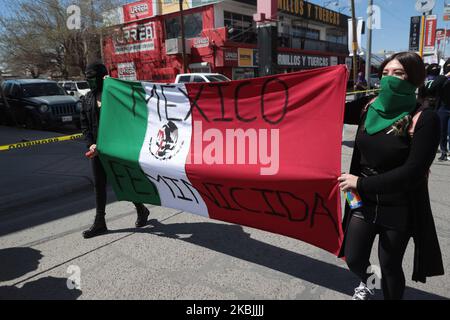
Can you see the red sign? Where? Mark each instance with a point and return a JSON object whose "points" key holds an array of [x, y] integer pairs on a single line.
{"points": [[440, 34], [135, 38], [230, 57], [430, 33], [138, 10]]}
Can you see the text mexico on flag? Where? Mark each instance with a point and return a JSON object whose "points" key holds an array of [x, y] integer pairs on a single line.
{"points": [[264, 153]]}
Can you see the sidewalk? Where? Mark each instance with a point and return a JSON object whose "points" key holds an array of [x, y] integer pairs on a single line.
{"points": [[55, 170]]}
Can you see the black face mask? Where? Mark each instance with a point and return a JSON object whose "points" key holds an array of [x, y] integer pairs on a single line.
{"points": [[96, 84], [94, 75]]}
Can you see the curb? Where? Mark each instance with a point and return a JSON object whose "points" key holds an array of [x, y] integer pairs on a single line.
{"points": [[17, 200]]}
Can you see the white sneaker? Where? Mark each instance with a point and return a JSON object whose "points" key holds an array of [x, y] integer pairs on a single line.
{"points": [[362, 292]]}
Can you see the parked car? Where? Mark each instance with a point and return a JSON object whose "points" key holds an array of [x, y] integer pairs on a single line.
{"points": [[78, 89], [200, 77], [40, 104]]}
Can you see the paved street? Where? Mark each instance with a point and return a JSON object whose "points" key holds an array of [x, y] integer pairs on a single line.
{"points": [[178, 255]]}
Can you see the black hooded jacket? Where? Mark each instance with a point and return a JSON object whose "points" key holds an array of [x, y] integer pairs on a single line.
{"points": [[90, 117], [411, 177]]}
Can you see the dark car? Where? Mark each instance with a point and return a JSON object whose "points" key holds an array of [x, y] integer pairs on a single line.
{"points": [[41, 104]]}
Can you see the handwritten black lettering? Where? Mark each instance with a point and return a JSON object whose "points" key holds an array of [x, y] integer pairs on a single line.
{"points": [[285, 105]]}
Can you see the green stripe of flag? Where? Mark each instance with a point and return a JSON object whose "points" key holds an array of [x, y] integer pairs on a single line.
{"points": [[123, 125]]}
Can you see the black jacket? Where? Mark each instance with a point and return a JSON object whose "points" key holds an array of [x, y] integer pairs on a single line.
{"points": [[412, 178], [440, 89], [90, 118]]}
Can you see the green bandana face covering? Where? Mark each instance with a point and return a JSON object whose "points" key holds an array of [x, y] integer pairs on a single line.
{"points": [[397, 99]]}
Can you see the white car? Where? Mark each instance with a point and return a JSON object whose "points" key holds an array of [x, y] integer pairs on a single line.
{"points": [[200, 77], [77, 89]]}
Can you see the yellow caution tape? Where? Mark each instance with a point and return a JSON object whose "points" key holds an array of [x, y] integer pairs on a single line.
{"points": [[28, 144], [364, 91]]}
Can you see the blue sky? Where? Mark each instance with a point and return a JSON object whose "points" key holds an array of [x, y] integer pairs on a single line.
{"points": [[395, 20]]}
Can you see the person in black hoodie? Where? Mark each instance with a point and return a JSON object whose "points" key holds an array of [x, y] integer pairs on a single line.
{"points": [[395, 145], [90, 116], [440, 88]]}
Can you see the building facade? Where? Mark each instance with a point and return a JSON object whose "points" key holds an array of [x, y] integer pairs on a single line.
{"points": [[143, 39]]}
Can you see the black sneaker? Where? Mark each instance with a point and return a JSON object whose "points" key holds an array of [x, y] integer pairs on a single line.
{"points": [[142, 216], [443, 157], [97, 229]]}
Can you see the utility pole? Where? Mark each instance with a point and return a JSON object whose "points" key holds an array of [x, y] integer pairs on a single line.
{"points": [[183, 40], [354, 43], [369, 44], [445, 42], [266, 24], [422, 34]]}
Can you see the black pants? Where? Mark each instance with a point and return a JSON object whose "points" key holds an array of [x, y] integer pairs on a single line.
{"points": [[444, 115], [100, 187], [391, 249]]}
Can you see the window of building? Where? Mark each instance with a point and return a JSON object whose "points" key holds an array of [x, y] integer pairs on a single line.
{"points": [[337, 38], [241, 28], [305, 33], [193, 26]]}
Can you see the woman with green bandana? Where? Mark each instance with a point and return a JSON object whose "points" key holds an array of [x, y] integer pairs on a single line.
{"points": [[395, 145]]}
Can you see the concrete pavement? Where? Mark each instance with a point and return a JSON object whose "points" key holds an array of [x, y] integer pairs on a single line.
{"points": [[182, 256]]}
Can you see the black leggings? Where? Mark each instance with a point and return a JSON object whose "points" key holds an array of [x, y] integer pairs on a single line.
{"points": [[100, 187], [391, 249]]}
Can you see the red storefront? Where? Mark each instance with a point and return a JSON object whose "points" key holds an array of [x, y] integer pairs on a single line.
{"points": [[145, 46], [142, 45]]}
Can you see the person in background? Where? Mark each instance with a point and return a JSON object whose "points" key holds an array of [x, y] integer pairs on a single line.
{"points": [[395, 145], [90, 118], [440, 88], [361, 85], [427, 93]]}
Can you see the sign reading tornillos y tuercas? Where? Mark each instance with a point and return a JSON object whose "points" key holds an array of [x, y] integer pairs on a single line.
{"points": [[302, 61]]}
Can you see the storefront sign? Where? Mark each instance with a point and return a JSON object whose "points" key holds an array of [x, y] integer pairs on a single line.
{"points": [[171, 6], [310, 11], [127, 71], [230, 57], [302, 61], [135, 38], [414, 34], [430, 33], [140, 10], [200, 42], [246, 57], [440, 34]]}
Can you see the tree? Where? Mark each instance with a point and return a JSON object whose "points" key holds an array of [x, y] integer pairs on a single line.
{"points": [[35, 37]]}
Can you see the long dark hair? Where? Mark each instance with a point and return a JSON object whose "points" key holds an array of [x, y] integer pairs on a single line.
{"points": [[415, 69], [413, 65], [446, 67]]}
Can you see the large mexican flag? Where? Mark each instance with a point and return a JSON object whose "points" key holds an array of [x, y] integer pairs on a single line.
{"points": [[264, 153]]}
